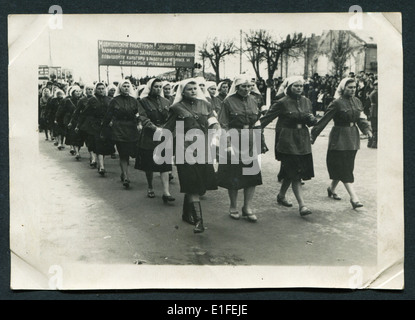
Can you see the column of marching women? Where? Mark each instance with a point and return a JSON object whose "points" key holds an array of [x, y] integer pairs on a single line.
{"points": [[122, 118]]}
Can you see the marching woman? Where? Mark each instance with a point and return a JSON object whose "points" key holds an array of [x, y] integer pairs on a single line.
{"points": [[212, 98], [239, 112], [347, 113], [43, 102], [111, 90], [84, 129], [72, 138], [98, 137], [122, 118], [153, 111], [222, 90], [63, 118], [192, 112], [51, 108], [293, 146], [81, 131], [167, 91]]}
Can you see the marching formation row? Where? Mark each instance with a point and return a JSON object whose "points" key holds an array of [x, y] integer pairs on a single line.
{"points": [[118, 119]]}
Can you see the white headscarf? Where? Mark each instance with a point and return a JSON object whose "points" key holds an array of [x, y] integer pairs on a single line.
{"points": [[118, 91], [292, 80], [219, 87], [165, 83], [341, 86], [201, 80], [68, 91], [55, 95], [182, 84], [100, 83], [89, 86], [282, 87], [111, 86], [147, 89], [210, 84], [240, 79], [72, 89]]}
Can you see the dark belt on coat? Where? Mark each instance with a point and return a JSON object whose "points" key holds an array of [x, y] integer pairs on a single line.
{"points": [[345, 124]]}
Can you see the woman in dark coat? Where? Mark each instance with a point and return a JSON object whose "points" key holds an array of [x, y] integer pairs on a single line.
{"points": [[191, 111], [212, 98], [153, 111], [122, 118], [82, 129], [63, 118], [167, 91], [43, 102], [99, 140], [51, 109], [347, 113], [293, 146], [239, 111]]}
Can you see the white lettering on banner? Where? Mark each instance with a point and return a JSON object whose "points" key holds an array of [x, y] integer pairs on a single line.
{"points": [[156, 55]]}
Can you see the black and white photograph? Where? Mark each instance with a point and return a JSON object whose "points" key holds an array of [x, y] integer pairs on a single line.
{"points": [[197, 151]]}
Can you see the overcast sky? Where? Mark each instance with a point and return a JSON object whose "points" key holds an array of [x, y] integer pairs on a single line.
{"points": [[74, 46]]}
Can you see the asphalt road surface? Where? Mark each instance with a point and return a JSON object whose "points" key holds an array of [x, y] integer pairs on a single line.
{"points": [[93, 219]]}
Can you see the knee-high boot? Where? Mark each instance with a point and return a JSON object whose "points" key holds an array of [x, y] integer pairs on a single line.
{"points": [[187, 215], [197, 217]]}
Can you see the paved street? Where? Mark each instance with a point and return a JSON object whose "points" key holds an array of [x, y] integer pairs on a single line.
{"points": [[93, 219]]}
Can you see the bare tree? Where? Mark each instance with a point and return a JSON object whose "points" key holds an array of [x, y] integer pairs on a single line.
{"points": [[272, 49], [341, 51], [253, 52], [215, 50]]}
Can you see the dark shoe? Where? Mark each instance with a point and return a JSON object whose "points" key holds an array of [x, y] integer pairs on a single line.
{"points": [[197, 217], [187, 213], [150, 194], [126, 183], [93, 164], [332, 194], [72, 152], [249, 216], [170, 177], [101, 171], [304, 211], [167, 199], [283, 201], [356, 204], [77, 157], [55, 143]]}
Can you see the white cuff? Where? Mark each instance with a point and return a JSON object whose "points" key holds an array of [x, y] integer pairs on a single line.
{"points": [[212, 120]]}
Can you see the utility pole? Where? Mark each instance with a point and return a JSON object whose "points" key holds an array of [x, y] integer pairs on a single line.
{"points": [[50, 50]]}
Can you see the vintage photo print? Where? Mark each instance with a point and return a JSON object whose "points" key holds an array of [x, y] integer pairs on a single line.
{"points": [[160, 151]]}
